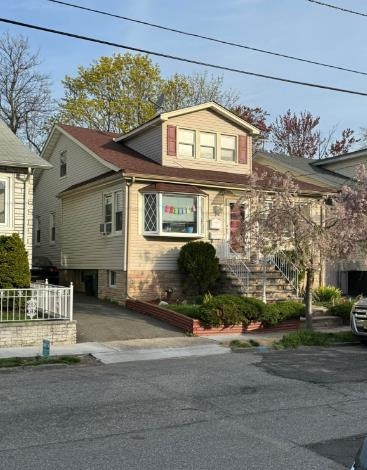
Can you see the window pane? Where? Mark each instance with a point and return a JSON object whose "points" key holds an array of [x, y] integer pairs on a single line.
{"points": [[228, 155], [150, 213], [228, 142], [2, 202], [118, 210], [186, 142], [207, 145], [108, 208], [179, 214], [186, 150], [186, 136]]}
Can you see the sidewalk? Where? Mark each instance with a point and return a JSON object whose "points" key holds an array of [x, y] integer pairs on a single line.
{"points": [[111, 352]]}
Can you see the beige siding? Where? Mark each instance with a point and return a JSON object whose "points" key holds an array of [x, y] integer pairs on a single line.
{"points": [[20, 208], [80, 167], [148, 143], [83, 246], [207, 121], [347, 167]]}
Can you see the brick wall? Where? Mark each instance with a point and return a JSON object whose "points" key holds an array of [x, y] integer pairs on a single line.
{"points": [[32, 333], [150, 285], [116, 293]]}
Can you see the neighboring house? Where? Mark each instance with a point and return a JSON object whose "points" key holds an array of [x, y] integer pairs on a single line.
{"points": [[114, 211], [331, 173], [17, 164]]}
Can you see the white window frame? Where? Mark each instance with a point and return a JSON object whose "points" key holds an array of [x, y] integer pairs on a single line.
{"points": [[7, 203], [112, 279], [235, 150], [203, 146], [63, 164], [113, 195], [186, 144], [200, 207], [52, 228]]}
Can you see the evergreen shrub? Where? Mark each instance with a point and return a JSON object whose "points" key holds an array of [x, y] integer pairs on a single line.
{"points": [[14, 266]]}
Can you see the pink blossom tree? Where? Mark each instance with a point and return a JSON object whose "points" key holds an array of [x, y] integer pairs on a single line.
{"points": [[312, 226]]}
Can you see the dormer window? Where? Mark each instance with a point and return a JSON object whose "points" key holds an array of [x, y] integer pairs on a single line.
{"points": [[207, 145], [186, 143], [228, 148], [63, 164]]}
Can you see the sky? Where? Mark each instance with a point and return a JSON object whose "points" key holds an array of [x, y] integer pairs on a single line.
{"points": [[292, 27]]}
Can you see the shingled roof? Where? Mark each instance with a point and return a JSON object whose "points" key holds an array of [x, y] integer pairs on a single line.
{"points": [[15, 154], [132, 163]]}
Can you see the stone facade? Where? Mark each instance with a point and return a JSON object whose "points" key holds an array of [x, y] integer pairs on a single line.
{"points": [[21, 334], [149, 285]]}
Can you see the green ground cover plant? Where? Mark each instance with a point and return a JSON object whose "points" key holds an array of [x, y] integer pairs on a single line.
{"points": [[299, 338], [37, 361]]}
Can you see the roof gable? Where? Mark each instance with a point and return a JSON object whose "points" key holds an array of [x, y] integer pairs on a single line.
{"points": [[15, 154]]}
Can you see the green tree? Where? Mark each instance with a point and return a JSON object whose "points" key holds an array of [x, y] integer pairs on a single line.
{"points": [[14, 267], [114, 94]]}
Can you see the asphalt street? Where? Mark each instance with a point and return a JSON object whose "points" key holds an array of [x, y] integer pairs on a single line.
{"points": [[255, 410]]}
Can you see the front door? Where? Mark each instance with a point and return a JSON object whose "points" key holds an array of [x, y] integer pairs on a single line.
{"points": [[235, 227]]}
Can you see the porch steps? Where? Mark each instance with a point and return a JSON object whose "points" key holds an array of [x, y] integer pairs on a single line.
{"points": [[320, 319], [277, 287]]}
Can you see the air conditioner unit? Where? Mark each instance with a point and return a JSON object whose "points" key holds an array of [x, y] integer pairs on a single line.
{"points": [[105, 229]]}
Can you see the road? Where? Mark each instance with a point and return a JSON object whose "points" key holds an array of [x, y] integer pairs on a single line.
{"points": [[301, 409]]}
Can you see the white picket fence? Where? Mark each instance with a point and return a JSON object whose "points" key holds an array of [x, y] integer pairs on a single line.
{"points": [[42, 301]]}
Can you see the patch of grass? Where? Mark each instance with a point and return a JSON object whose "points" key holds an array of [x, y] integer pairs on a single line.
{"points": [[313, 338], [37, 361], [239, 343]]}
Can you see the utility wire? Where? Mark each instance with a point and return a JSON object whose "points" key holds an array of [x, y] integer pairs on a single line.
{"points": [[208, 38], [335, 7], [181, 59]]}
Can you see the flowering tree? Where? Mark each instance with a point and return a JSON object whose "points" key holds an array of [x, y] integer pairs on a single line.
{"points": [[314, 227]]}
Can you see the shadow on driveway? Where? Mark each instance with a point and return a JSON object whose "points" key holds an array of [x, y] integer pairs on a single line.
{"points": [[102, 321]]}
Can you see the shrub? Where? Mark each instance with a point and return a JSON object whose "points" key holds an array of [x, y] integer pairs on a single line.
{"points": [[199, 266], [14, 267], [342, 310], [189, 310], [230, 310], [281, 311], [327, 294]]}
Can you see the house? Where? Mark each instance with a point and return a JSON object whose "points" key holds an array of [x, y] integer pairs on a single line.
{"points": [[114, 210], [331, 173], [17, 165]]}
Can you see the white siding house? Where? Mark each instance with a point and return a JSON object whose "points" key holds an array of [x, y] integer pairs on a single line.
{"points": [[17, 165]]}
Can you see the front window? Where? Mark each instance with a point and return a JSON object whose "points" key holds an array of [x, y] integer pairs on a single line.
{"points": [[228, 148], [207, 145], [2, 202], [186, 143], [112, 278], [37, 230], [173, 214], [112, 212]]}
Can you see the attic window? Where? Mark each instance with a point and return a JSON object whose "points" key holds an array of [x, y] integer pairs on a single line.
{"points": [[63, 163]]}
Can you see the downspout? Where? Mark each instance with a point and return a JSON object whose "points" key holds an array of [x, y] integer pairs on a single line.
{"points": [[25, 205], [126, 225]]}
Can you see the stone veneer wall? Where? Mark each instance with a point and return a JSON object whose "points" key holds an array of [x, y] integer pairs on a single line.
{"points": [[149, 285], [116, 293], [20, 334]]}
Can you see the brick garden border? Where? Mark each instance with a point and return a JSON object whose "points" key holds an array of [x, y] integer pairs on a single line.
{"points": [[193, 326]]}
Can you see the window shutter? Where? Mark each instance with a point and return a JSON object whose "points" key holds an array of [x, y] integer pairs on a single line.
{"points": [[171, 140], [242, 149]]}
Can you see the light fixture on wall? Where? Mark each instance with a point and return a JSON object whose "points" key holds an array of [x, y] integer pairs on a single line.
{"points": [[217, 210]]}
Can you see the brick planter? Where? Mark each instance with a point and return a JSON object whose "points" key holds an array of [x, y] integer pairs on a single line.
{"points": [[191, 325]]}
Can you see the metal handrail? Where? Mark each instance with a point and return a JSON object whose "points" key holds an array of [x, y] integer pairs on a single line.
{"points": [[288, 269], [235, 264]]}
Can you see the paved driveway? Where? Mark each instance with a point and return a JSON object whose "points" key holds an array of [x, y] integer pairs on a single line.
{"points": [[101, 321]]}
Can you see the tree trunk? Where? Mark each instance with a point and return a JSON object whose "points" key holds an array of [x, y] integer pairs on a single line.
{"points": [[308, 297]]}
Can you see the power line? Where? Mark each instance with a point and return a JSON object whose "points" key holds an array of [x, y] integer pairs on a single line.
{"points": [[335, 7], [181, 59], [208, 38]]}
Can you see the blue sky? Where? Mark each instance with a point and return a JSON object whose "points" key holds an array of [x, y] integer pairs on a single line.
{"points": [[294, 27]]}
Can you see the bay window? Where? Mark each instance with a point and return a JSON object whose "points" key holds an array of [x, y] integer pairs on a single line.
{"points": [[179, 215]]}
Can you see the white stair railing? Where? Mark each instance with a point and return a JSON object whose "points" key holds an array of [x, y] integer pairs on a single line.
{"points": [[234, 263], [288, 269]]}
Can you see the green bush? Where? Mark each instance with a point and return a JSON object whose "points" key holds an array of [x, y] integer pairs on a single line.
{"points": [[189, 310], [199, 267], [327, 294], [14, 267], [342, 310], [280, 311], [230, 310]]}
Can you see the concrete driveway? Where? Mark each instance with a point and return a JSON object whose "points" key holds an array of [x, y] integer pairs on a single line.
{"points": [[102, 321]]}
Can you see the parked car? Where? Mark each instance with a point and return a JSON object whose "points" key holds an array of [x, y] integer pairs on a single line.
{"points": [[360, 462], [358, 319], [43, 268]]}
